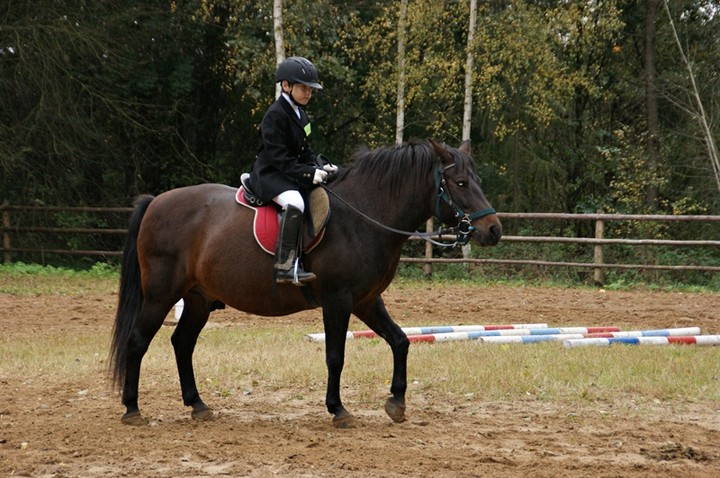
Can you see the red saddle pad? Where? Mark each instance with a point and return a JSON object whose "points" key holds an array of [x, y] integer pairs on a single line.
{"points": [[266, 226], [266, 223]]}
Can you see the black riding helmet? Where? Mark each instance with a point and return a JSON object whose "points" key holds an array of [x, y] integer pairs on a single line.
{"points": [[297, 69]]}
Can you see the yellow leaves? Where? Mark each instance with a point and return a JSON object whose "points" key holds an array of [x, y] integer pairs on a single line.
{"points": [[687, 205], [634, 172], [531, 59]]}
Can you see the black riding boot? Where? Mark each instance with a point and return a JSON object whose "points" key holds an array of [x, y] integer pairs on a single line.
{"points": [[287, 260]]}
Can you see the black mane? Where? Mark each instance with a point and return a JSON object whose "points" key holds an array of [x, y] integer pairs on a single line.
{"points": [[387, 168]]}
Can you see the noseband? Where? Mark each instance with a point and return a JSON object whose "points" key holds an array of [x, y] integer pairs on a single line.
{"points": [[464, 229]]}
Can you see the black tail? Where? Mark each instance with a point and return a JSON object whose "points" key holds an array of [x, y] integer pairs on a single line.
{"points": [[130, 295]]}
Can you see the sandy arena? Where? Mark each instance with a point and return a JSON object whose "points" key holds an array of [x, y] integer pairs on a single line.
{"points": [[49, 429]]}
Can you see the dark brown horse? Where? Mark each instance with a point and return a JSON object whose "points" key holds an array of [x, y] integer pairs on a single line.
{"points": [[196, 243]]}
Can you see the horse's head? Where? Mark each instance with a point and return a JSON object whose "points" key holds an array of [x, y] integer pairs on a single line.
{"points": [[460, 196]]}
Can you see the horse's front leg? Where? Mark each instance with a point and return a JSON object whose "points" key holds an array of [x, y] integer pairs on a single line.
{"points": [[376, 316], [336, 316]]}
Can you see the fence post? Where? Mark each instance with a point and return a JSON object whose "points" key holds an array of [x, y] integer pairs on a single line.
{"points": [[6, 232], [427, 268], [599, 275]]}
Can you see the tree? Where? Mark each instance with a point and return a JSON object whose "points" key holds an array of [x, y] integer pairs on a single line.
{"points": [[102, 100], [279, 39], [60, 115], [400, 115], [697, 111], [109, 100], [651, 102], [467, 105], [541, 91]]}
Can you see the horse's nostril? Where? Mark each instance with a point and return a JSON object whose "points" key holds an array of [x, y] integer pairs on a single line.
{"points": [[495, 233]]}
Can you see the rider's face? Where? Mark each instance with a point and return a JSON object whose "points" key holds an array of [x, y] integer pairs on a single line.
{"points": [[300, 93]]}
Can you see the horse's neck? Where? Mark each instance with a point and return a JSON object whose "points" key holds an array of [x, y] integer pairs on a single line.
{"points": [[412, 211], [405, 210]]}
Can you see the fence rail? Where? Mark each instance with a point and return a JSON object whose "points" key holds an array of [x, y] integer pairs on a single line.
{"points": [[16, 228], [598, 265]]}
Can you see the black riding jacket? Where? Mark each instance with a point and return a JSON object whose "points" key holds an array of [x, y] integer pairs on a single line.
{"points": [[285, 160]]}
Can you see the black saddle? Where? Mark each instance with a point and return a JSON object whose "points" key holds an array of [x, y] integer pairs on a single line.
{"points": [[249, 195]]}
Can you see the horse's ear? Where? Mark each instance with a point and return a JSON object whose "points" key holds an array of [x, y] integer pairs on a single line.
{"points": [[440, 150], [465, 147]]}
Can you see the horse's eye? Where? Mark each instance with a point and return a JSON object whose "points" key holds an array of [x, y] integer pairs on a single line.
{"points": [[461, 184]]}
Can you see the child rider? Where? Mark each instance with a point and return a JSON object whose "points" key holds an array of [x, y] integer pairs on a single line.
{"points": [[286, 167]]}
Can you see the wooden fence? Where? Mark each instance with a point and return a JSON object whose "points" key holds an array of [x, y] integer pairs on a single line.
{"points": [[16, 229], [598, 241], [19, 224]]}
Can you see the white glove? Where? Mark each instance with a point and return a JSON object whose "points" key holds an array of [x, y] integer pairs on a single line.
{"points": [[320, 176], [330, 168]]}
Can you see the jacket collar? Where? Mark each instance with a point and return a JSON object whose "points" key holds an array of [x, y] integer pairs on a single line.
{"points": [[290, 109]]}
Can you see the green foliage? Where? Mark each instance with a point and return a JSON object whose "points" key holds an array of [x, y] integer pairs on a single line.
{"points": [[100, 101], [19, 268], [99, 270], [547, 276], [21, 278], [113, 98]]}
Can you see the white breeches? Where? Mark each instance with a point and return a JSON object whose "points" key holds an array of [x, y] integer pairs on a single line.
{"points": [[290, 198]]}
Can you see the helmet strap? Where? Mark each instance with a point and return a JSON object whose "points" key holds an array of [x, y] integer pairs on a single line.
{"points": [[292, 98]]}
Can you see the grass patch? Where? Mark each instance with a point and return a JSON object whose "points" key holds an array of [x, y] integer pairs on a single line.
{"points": [[54, 356], [32, 279], [267, 360]]}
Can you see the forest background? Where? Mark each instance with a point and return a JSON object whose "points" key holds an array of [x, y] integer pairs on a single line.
{"points": [[578, 106]]}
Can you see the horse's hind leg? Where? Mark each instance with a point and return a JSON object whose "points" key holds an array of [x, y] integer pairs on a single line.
{"points": [[194, 317], [376, 316], [147, 325]]}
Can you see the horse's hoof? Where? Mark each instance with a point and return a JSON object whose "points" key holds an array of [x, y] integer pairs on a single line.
{"points": [[395, 409], [134, 419], [202, 413], [344, 420]]}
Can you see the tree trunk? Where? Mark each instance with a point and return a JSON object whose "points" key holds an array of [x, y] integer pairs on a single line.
{"points": [[651, 102], [400, 114], [279, 38], [467, 106], [699, 113]]}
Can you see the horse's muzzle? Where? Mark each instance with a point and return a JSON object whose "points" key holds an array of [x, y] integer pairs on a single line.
{"points": [[488, 232]]}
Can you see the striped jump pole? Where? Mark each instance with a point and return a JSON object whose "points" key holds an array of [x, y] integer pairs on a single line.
{"points": [[529, 339], [687, 331], [483, 334], [434, 329], [520, 336], [570, 333], [668, 340]]}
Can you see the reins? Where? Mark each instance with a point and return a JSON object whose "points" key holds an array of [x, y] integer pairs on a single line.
{"points": [[463, 230], [426, 236]]}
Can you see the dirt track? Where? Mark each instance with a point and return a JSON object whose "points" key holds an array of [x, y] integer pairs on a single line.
{"points": [[48, 428]]}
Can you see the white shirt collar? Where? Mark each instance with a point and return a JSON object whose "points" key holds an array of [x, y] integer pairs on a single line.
{"points": [[292, 103]]}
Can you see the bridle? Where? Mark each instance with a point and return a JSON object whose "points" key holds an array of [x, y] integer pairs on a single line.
{"points": [[463, 230]]}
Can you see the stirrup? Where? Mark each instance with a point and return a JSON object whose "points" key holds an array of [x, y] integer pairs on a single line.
{"points": [[298, 279], [295, 275]]}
